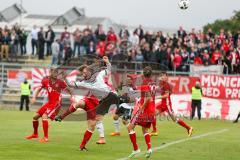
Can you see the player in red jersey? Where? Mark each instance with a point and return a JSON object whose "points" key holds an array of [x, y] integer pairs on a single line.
{"points": [[166, 105], [54, 87], [144, 115]]}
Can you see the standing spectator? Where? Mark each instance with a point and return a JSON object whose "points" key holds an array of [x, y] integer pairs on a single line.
{"points": [[146, 52], [177, 60], [25, 93], [6, 40], [65, 34], [91, 48], [49, 38], [139, 31], [215, 56], [134, 39], [234, 58], [111, 36], [101, 48], [77, 35], [55, 52], [41, 42], [14, 45], [181, 33], [34, 35], [196, 100], [23, 41], [124, 32], [197, 60], [100, 34], [86, 39]]}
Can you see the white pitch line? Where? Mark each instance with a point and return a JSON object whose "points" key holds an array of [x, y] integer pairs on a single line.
{"points": [[180, 141]]}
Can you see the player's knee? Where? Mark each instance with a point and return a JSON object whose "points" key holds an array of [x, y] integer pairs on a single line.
{"points": [[36, 117], [115, 117], [99, 117], [124, 122], [45, 117]]}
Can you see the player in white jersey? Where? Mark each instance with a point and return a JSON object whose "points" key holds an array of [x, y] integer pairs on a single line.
{"points": [[98, 87], [126, 105]]}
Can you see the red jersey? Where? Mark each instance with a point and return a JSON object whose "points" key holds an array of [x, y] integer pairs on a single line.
{"points": [[165, 87], [53, 89], [150, 107]]}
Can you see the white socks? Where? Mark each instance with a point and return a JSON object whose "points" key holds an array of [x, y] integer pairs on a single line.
{"points": [[100, 129], [117, 125]]}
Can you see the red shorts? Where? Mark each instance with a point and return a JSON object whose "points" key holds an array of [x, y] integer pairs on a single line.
{"points": [[164, 108], [90, 107], [143, 119], [50, 109]]}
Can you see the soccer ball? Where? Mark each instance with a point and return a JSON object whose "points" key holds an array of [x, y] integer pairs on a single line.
{"points": [[183, 4]]}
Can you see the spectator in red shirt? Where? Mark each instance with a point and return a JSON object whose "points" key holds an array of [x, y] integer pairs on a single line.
{"points": [[111, 36], [215, 56], [197, 61], [101, 48], [177, 60], [226, 46], [65, 34]]}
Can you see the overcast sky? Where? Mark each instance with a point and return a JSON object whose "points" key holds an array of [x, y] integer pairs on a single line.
{"points": [[153, 13]]}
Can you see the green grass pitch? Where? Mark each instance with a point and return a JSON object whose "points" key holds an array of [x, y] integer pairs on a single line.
{"points": [[66, 136]]}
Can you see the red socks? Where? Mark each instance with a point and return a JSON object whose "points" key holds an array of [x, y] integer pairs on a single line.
{"points": [[183, 124], [147, 140], [70, 110], [154, 124], [35, 127], [86, 137], [45, 127], [133, 138]]}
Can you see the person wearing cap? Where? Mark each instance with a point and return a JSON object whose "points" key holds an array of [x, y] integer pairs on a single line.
{"points": [[25, 92], [196, 100]]}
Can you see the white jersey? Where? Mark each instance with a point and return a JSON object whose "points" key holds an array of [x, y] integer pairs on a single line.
{"points": [[127, 105], [97, 85]]}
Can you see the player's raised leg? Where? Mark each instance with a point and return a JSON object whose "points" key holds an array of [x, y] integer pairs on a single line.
{"points": [[181, 123]]}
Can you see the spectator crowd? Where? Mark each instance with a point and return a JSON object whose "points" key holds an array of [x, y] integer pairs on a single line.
{"points": [[175, 52]]}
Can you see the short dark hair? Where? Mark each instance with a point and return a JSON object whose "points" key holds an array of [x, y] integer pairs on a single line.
{"points": [[163, 73], [147, 72], [82, 67]]}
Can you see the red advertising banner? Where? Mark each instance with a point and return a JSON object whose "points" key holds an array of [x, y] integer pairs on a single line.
{"points": [[221, 87], [16, 77], [183, 84]]}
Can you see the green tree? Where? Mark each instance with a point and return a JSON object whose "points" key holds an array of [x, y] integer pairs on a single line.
{"points": [[232, 24]]}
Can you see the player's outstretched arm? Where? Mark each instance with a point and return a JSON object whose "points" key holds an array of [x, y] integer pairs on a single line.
{"points": [[35, 95]]}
